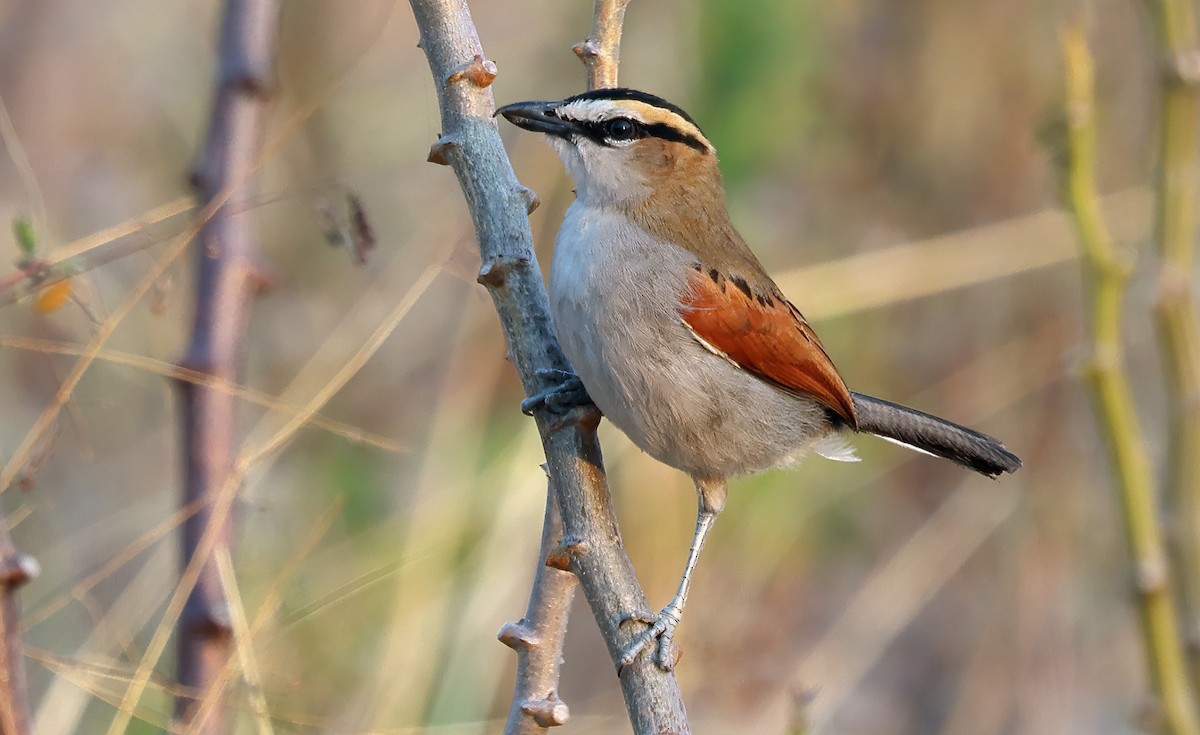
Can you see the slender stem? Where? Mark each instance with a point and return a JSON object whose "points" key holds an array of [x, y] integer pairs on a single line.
{"points": [[1175, 234], [601, 52], [538, 637], [227, 278], [471, 145], [1106, 276], [15, 570]]}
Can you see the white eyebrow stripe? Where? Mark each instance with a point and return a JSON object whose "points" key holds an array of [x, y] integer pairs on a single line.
{"points": [[600, 110], [651, 114], [596, 111]]}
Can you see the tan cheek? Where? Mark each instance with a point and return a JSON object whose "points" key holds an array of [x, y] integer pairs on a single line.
{"points": [[658, 161]]}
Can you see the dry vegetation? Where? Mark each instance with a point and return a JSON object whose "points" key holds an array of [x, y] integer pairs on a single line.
{"points": [[884, 160]]}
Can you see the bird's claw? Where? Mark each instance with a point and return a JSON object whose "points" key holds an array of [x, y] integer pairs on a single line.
{"points": [[566, 392], [662, 629]]}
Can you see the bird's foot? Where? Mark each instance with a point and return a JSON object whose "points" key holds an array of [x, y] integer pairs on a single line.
{"points": [[661, 630], [565, 393]]}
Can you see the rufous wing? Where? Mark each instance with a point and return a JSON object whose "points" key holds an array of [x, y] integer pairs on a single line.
{"points": [[765, 335]]}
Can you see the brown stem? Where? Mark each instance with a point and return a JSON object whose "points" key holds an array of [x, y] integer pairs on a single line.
{"points": [[15, 570], [538, 637], [471, 145], [227, 278], [601, 52]]}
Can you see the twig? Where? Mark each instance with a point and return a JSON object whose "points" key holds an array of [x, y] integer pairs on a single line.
{"points": [[1105, 276], [15, 570], [601, 52], [101, 247], [538, 637], [227, 279], [1179, 334], [498, 204]]}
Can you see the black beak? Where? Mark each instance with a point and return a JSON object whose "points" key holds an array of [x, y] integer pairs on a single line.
{"points": [[538, 117]]}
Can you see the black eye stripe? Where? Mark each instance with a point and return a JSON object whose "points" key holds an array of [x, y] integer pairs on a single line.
{"points": [[666, 132], [598, 131]]}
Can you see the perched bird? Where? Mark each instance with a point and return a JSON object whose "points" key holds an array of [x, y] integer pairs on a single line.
{"points": [[676, 331]]}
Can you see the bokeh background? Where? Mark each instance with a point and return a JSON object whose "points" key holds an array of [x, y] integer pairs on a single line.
{"points": [[892, 163]]}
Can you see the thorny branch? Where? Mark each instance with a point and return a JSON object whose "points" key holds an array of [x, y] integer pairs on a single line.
{"points": [[592, 545], [228, 277]]}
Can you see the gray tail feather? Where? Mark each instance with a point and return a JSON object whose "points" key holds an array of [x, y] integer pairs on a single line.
{"points": [[943, 438]]}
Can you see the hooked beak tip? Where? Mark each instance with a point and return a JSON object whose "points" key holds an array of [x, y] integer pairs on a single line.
{"points": [[538, 117]]}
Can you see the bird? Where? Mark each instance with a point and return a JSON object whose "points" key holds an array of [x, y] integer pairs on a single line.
{"points": [[676, 332]]}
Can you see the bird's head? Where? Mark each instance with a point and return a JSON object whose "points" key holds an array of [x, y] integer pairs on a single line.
{"points": [[622, 146]]}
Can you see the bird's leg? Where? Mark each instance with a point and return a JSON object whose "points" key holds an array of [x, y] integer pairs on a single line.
{"points": [[565, 393], [712, 501]]}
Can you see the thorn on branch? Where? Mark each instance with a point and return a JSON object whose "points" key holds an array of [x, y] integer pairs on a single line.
{"points": [[531, 199], [251, 81], [211, 628], [1183, 68], [518, 636], [206, 620], [1101, 360], [587, 50], [18, 569], [547, 712], [437, 151], [1150, 576], [478, 71], [260, 277], [493, 272], [199, 176], [560, 557]]}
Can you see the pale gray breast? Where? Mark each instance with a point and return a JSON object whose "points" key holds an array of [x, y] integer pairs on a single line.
{"points": [[614, 294]]}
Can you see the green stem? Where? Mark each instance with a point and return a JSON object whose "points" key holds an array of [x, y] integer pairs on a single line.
{"points": [[1175, 232], [1106, 276]]}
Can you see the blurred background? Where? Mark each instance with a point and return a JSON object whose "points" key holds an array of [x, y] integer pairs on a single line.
{"points": [[886, 160]]}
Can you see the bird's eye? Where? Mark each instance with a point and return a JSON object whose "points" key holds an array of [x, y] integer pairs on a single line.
{"points": [[619, 129]]}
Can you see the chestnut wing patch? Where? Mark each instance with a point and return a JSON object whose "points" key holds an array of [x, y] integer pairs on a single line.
{"points": [[766, 335]]}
